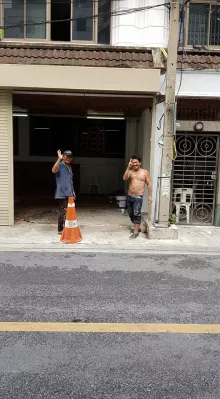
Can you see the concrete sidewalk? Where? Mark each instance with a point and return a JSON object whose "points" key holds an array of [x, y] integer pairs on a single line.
{"points": [[104, 230]]}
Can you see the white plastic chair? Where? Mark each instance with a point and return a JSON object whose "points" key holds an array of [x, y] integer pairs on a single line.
{"points": [[95, 183], [185, 196]]}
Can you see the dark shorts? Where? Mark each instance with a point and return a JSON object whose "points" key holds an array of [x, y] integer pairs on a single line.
{"points": [[134, 204]]}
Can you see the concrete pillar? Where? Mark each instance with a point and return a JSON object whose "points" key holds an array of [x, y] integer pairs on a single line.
{"points": [[144, 147], [6, 159], [156, 153], [23, 138]]}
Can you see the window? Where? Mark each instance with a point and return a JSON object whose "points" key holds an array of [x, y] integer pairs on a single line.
{"points": [[86, 138], [93, 140], [78, 20], [48, 134], [82, 28], [98, 138], [22, 16], [60, 31], [104, 22], [204, 24]]}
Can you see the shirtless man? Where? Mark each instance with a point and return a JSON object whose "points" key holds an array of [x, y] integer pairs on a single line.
{"points": [[137, 179]]}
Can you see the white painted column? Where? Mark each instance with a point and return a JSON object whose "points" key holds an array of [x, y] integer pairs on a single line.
{"points": [[131, 138], [6, 160], [144, 147], [131, 141]]}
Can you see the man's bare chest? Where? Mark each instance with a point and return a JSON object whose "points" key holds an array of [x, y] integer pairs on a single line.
{"points": [[137, 176]]}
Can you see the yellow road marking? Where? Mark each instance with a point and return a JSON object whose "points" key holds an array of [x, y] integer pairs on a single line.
{"points": [[110, 327]]}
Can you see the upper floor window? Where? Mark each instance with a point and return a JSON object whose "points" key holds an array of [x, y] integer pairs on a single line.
{"points": [[78, 20], [204, 24]]}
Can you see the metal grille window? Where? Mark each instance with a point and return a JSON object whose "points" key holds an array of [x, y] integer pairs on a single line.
{"points": [[198, 109], [94, 140], [204, 24], [204, 113], [194, 178]]}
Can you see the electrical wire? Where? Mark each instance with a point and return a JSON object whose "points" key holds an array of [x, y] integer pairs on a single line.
{"points": [[111, 13], [160, 124], [67, 2], [182, 55]]}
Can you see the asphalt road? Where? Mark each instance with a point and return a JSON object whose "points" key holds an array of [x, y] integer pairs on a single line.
{"points": [[109, 288]]}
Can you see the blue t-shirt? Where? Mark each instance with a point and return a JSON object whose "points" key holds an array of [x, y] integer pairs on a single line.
{"points": [[64, 181]]}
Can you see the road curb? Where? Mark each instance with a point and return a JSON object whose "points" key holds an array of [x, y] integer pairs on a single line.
{"points": [[153, 250]]}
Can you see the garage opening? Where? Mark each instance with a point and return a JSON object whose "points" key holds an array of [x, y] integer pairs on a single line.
{"points": [[101, 131], [98, 148]]}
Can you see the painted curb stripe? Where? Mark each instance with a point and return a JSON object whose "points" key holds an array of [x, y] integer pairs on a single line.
{"points": [[110, 328]]}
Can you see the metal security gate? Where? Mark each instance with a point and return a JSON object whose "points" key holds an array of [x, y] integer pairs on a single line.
{"points": [[194, 178]]}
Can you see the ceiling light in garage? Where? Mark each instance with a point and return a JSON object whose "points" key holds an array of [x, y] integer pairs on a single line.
{"points": [[19, 114], [106, 117], [17, 111]]}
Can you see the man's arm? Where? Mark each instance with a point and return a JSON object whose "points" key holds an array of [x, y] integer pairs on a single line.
{"points": [[127, 173], [55, 167], [148, 182]]}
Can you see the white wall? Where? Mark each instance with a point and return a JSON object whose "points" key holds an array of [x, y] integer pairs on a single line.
{"points": [[144, 146], [109, 171], [199, 83], [131, 143], [138, 141], [196, 83], [148, 28], [131, 146]]}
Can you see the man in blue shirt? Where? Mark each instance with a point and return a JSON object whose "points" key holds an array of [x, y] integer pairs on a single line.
{"points": [[64, 184]]}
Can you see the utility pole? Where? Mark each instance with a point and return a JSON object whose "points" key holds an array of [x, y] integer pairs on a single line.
{"points": [[169, 116]]}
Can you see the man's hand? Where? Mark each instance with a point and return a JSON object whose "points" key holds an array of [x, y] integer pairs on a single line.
{"points": [[60, 156], [150, 199], [55, 167], [127, 172], [130, 164]]}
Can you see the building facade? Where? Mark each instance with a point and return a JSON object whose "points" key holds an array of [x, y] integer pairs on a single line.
{"points": [[89, 76], [80, 75], [195, 180]]}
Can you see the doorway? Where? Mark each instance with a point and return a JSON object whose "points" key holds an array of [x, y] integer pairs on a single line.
{"points": [[194, 177], [98, 148]]}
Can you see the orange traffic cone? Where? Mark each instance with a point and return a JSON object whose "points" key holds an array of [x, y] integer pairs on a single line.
{"points": [[71, 232]]}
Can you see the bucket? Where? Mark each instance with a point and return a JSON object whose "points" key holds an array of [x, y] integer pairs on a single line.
{"points": [[121, 201]]}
